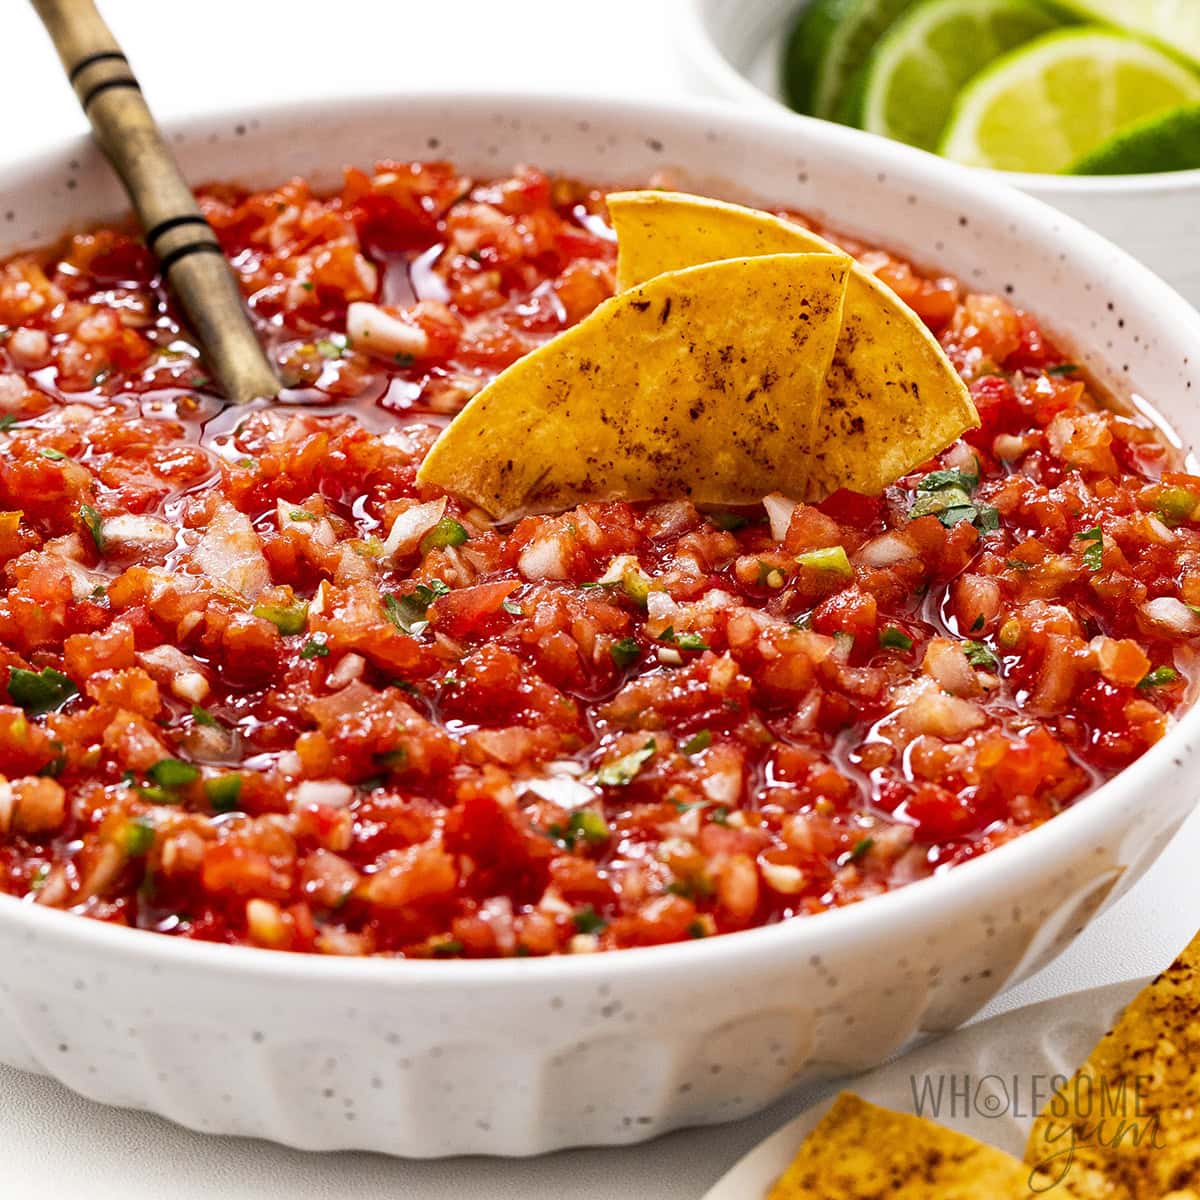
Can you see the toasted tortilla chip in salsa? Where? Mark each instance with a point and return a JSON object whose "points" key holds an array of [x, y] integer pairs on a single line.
{"points": [[1126, 1125], [701, 383], [891, 400], [862, 1152]]}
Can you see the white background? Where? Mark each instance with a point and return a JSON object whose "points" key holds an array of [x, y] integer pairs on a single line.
{"points": [[226, 53]]}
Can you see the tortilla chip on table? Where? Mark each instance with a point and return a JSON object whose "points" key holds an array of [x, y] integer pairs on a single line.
{"points": [[1127, 1123], [862, 1152]]}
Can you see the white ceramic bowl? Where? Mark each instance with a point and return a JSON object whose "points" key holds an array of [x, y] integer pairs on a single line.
{"points": [[527, 1055], [733, 48]]}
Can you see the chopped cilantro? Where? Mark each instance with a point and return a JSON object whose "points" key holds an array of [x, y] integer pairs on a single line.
{"points": [[1159, 677], [861, 848], [41, 691], [404, 360], [1093, 554], [696, 929], [625, 651], [308, 285], [450, 948], [980, 655], [172, 773], [587, 920], [987, 518], [831, 559], [53, 455], [620, 771], [719, 815], [203, 717], [803, 620], [978, 623], [95, 525], [947, 495], [937, 481], [298, 514], [697, 742], [407, 612], [512, 608], [314, 649], [895, 639], [7, 421], [1063, 369], [223, 792], [447, 532], [287, 618]]}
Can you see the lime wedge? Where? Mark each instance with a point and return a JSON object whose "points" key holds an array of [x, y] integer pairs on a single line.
{"points": [[1044, 106], [1168, 142], [828, 45], [1174, 23], [921, 64]]}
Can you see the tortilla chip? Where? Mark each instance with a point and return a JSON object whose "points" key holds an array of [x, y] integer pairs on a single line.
{"points": [[892, 399], [861, 1152], [1126, 1125], [702, 383]]}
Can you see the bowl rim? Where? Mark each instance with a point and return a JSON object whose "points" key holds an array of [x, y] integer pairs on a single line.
{"points": [[698, 43], [1026, 857]]}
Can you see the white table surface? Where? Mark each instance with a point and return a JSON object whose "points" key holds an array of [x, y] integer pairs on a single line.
{"points": [[62, 1146]]}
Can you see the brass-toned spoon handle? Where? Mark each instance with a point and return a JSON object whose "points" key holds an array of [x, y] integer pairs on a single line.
{"points": [[189, 258]]}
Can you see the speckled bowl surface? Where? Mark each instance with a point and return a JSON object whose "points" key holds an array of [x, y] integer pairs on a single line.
{"points": [[732, 49], [528, 1055]]}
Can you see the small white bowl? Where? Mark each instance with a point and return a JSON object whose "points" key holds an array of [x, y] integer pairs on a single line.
{"points": [[733, 49], [522, 1056]]}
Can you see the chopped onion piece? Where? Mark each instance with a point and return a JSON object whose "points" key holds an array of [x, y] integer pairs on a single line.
{"points": [[886, 550], [563, 791], [331, 793], [376, 331], [136, 531], [543, 558], [230, 553], [1171, 617], [779, 513], [411, 526]]}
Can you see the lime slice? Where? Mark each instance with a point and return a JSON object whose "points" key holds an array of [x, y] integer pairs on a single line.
{"points": [[830, 42], [1044, 106], [1174, 23], [1168, 142], [921, 63]]}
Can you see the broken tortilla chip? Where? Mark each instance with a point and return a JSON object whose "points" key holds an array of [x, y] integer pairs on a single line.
{"points": [[861, 1152], [891, 401], [1126, 1125], [701, 383]]}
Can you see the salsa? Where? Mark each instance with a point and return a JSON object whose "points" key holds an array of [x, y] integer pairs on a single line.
{"points": [[257, 687]]}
